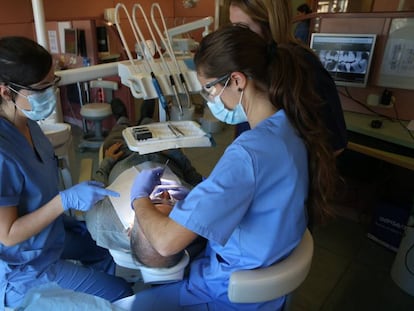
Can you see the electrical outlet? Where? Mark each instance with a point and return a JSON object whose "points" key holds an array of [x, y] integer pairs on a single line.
{"points": [[373, 100], [384, 100], [410, 126]]}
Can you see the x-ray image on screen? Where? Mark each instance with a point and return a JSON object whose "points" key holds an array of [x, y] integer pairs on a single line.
{"points": [[345, 61], [346, 57]]}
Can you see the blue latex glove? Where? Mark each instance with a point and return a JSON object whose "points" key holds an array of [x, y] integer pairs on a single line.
{"points": [[145, 182], [84, 195]]}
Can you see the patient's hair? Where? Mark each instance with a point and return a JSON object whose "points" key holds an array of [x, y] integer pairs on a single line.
{"points": [[144, 253]]}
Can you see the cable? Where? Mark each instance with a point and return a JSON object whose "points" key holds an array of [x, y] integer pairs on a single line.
{"points": [[406, 260], [158, 49], [396, 119], [402, 124], [365, 106], [136, 33], [168, 46]]}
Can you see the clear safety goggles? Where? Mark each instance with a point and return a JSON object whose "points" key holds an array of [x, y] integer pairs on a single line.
{"points": [[209, 90], [36, 88]]}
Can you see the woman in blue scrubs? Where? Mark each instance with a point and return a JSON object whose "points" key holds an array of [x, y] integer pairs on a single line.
{"points": [[273, 21], [252, 208], [32, 226]]}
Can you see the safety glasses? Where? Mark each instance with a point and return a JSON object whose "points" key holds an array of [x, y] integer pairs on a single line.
{"points": [[37, 88], [208, 91]]}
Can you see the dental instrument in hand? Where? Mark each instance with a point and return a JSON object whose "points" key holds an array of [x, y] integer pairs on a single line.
{"points": [[164, 167]]}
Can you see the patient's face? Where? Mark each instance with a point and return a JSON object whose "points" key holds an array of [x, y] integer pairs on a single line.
{"points": [[163, 202]]}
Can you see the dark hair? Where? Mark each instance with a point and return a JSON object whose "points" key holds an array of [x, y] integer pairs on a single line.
{"points": [[304, 8], [284, 74], [23, 61], [143, 252]]}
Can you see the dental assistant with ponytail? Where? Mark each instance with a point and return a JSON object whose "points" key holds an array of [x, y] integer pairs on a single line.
{"points": [[34, 231], [252, 207]]}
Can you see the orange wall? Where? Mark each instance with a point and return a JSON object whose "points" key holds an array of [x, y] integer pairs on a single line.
{"points": [[16, 17]]}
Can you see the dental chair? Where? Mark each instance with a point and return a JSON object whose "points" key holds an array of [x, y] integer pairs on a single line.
{"points": [[280, 279], [96, 112], [150, 275]]}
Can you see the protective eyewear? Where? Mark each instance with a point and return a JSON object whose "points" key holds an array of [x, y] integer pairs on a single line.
{"points": [[38, 88], [168, 194], [208, 91]]}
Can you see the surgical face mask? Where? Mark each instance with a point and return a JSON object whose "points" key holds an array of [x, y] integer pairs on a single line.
{"points": [[42, 103], [235, 116]]}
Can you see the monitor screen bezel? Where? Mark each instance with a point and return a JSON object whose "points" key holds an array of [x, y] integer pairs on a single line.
{"points": [[343, 78]]}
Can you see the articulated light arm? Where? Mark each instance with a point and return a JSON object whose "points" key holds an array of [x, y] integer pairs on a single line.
{"points": [[70, 76], [204, 22]]}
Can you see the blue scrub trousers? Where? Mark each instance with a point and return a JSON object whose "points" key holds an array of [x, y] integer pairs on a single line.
{"points": [[80, 246], [167, 297], [164, 297], [97, 275]]}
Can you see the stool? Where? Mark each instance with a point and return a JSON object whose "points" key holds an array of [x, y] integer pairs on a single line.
{"points": [[96, 112]]}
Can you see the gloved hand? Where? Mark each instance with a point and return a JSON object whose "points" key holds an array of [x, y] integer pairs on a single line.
{"points": [[84, 195], [145, 182]]}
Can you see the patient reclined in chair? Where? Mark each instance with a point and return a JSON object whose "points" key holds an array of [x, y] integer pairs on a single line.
{"points": [[103, 220], [125, 240]]}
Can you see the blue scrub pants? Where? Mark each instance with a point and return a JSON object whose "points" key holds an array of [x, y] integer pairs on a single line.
{"points": [[96, 276], [163, 297], [80, 246], [90, 281], [167, 297]]}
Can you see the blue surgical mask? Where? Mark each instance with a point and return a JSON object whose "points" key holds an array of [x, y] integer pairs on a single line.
{"points": [[43, 104], [219, 110]]}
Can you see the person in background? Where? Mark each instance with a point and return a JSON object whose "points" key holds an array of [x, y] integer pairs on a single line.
{"points": [[260, 187], [273, 21], [303, 26], [35, 234]]}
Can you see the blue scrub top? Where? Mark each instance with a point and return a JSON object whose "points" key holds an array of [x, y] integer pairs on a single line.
{"points": [[28, 180], [251, 208]]}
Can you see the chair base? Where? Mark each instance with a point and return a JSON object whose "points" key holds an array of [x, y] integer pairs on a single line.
{"points": [[89, 144], [91, 141]]}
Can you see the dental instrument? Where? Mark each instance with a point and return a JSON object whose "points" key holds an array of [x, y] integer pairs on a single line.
{"points": [[167, 69], [168, 46], [164, 167], [154, 79]]}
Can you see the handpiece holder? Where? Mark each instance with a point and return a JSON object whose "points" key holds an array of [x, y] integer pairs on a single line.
{"points": [[141, 85]]}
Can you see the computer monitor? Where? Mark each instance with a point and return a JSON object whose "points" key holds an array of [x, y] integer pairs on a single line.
{"points": [[347, 57]]}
